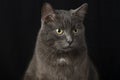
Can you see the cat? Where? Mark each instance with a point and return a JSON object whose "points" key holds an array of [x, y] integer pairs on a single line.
{"points": [[61, 50]]}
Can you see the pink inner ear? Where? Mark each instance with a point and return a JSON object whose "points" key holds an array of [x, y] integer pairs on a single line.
{"points": [[52, 17], [49, 18]]}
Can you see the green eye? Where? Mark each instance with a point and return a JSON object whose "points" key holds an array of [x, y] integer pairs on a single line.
{"points": [[75, 30], [59, 31]]}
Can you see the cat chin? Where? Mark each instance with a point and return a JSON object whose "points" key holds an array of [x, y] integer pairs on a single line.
{"points": [[66, 49]]}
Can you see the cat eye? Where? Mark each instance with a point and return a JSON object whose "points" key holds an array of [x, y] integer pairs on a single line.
{"points": [[75, 30], [59, 31]]}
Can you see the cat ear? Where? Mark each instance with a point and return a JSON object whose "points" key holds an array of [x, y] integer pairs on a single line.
{"points": [[80, 11], [47, 13]]}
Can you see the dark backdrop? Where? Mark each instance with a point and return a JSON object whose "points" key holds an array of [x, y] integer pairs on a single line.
{"points": [[20, 22]]}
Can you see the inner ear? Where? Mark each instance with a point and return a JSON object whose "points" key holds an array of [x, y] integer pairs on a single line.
{"points": [[47, 13]]}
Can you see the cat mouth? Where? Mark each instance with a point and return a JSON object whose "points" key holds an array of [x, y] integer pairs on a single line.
{"points": [[67, 48]]}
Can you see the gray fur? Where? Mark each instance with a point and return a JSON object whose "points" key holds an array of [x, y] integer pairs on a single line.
{"points": [[61, 57]]}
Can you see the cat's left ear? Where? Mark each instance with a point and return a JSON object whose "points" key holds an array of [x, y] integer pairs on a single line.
{"points": [[47, 13], [80, 11]]}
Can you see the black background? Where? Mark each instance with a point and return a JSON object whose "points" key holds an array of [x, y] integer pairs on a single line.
{"points": [[20, 22]]}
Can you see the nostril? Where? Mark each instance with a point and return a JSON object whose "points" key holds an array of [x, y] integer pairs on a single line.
{"points": [[69, 41]]}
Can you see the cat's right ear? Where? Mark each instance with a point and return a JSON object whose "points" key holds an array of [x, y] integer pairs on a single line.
{"points": [[80, 11], [47, 13]]}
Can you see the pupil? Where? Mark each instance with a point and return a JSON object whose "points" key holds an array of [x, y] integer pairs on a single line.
{"points": [[59, 30], [75, 30]]}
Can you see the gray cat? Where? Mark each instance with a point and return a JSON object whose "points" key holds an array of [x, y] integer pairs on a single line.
{"points": [[61, 51]]}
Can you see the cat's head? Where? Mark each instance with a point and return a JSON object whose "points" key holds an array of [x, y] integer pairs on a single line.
{"points": [[62, 29]]}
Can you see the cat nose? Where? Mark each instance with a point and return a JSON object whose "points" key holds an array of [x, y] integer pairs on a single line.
{"points": [[69, 42], [69, 39]]}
